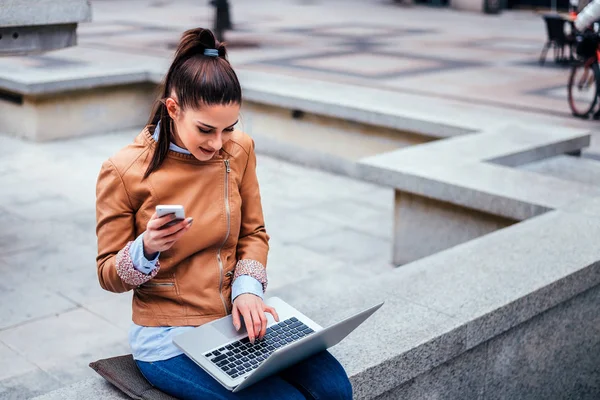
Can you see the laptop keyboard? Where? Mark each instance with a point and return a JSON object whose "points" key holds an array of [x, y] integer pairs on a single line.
{"points": [[239, 358]]}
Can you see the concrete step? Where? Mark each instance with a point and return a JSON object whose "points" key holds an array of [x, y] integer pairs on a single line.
{"points": [[323, 142]]}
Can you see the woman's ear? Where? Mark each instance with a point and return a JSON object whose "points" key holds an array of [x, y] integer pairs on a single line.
{"points": [[172, 108]]}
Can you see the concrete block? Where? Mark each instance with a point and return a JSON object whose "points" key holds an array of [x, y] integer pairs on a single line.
{"points": [[52, 27], [307, 157], [486, 287], [36, 39], [555, 355], [400, 341], [369, 105], [424, 226], [460, 378], [493, 189], [500, 280], [18, 12], [85, 112], [471, 171], [45, 83], [326, 143], [508, 145]]}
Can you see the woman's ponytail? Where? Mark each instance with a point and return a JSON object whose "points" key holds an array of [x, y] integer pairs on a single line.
{"points": [[198, 77]]}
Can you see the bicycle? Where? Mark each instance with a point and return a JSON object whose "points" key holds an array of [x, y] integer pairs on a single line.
{"points": [[584, 81]]}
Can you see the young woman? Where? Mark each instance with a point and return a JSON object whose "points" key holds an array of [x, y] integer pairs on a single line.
{"points": [[191, 273]]}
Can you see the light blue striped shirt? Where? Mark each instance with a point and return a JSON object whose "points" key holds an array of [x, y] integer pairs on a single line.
{"points": [[149, 343]]}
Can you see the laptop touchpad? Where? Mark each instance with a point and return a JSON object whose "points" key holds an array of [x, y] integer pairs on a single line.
{"points": [[226, 328]]}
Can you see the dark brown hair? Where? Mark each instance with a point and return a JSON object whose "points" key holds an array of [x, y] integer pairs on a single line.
{"points": [[197, 80]]}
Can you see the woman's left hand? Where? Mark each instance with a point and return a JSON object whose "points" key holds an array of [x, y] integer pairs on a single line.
{"points": [[253, 309]]}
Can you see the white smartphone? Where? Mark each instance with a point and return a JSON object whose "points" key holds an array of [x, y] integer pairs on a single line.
{"points": [[166, 209]]}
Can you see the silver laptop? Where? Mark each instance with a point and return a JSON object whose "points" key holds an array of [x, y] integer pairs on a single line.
{"points": [[229, 357]]}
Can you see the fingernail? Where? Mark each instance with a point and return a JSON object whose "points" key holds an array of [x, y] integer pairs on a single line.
{"points": [[237, 327], [190, 220]]}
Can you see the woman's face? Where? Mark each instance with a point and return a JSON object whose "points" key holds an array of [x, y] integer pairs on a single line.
{"points": [[204, 131]]}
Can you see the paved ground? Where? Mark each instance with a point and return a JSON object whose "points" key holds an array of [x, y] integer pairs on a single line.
{"points": [[55, 319], [437, 52]]}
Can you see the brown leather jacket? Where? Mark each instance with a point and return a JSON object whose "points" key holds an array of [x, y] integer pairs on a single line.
{"points": [[192, 284]]}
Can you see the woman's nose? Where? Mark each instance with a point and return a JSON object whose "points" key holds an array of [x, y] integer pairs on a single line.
{"points": [[216, 143]]}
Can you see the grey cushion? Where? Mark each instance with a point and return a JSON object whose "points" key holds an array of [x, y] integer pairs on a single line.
{"points": [[124, 374]]}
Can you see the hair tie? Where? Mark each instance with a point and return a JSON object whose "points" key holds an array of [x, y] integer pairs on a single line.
{"points": [[211, 52]]}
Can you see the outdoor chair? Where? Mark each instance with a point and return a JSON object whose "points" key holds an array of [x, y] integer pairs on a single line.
{"points": [[557, 39]]}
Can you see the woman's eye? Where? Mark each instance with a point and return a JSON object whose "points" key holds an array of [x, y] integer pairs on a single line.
{"points": [[204, 130], [229, 129]]}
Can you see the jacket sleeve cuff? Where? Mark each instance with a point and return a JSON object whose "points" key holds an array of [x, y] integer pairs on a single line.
{"points": [[246, 284], [126, 270], [252, 268], [140, 262]]}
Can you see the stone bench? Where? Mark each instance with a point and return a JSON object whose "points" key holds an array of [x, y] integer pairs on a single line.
{"points": [[450, 191], [103, 91], [52, 27], [509, 315], [110, 85], [512, 314]]}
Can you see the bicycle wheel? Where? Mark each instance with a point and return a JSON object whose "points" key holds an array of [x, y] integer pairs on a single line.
{"points": [[583, 90]]}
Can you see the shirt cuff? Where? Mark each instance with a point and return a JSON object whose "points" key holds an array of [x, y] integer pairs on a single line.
{"points": [[246, 284], [136, 252], [251, 268]]}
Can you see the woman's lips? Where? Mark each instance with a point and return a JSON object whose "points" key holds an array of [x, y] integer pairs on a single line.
{"points": [[203, 150]]}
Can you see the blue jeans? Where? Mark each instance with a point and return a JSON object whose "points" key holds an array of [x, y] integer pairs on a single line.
{"points": [[318, 377]]}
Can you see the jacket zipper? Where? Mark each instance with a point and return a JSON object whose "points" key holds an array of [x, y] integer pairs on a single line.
{"points": [[227, 212]]}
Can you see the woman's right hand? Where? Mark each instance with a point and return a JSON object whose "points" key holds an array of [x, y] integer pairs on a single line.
{"points": [[157, 239]]}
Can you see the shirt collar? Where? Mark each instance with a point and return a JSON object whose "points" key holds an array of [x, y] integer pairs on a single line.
{"points": [[172, 146]]}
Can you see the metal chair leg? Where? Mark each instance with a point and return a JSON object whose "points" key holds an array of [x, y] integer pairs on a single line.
{"points": [[544, 53]]}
